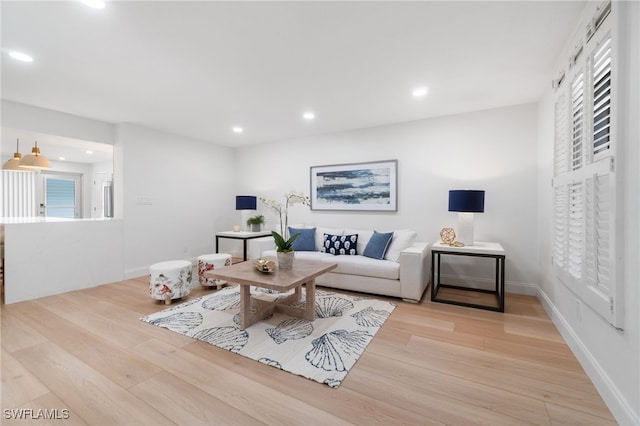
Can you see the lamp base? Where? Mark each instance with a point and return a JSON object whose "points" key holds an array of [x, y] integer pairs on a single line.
{"points": [[244, 216], [465, 228]]}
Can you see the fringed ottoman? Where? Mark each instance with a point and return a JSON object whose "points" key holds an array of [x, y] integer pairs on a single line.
{"points": [[209, 262], [170, 280]]}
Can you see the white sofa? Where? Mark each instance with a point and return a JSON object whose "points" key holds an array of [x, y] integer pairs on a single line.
{"points": [[403, 273]]}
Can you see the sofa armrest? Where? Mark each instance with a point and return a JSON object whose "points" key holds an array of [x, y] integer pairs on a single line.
{"points": [[257, 246], [415, 270]]}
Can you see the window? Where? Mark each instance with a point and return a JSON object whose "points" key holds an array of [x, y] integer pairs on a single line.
{"points": [[584, 183], [62, 195]]}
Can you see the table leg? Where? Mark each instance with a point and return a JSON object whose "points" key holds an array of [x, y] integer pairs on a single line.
{"points": [[502, 259], [217, 238], [245, 305], [244, 249], [310, 309]]}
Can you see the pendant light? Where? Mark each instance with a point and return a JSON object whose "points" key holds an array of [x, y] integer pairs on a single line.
{"points": [[14, 163], [35, 160]]}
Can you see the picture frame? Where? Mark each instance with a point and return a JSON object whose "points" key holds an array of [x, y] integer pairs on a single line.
{"points": [[370, 186]]}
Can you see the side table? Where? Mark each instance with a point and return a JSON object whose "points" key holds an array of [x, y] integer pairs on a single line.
{"points": [[478, 249], [240, 235]]}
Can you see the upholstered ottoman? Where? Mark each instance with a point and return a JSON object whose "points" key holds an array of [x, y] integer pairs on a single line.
{"points": [[170, 280], [209, 262]]}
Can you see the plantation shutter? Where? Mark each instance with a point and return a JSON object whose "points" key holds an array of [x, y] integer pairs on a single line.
{"points": [[601, 69], [577, 115], [584, 226], [60, 197]]}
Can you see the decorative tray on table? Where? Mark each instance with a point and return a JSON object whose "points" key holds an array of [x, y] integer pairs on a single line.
{"points": [[264, 265]]}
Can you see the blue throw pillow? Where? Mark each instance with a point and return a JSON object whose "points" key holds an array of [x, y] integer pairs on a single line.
{"points": [[340, 244], [378, 244], [306, 241]]}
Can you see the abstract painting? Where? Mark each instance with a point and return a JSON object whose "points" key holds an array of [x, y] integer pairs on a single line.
{"points": [[363, 186]]}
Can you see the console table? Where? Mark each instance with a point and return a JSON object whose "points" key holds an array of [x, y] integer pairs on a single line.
{"points": [[478, 249], [240, 235]]}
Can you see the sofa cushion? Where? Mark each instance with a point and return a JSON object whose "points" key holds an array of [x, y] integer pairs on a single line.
{"points": [[340, 244], [378, 244], [306, 241], [401, 240], [366, 266]]}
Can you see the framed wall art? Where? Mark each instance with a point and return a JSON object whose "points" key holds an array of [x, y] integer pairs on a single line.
{"points": [[361, 186]]}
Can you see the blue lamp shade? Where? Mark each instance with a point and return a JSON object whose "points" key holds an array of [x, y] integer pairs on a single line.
{"points": [[467, 201], [246, 202]]}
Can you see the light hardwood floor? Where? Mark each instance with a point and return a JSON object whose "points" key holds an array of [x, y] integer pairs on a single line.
{"points": [[88, 352]]}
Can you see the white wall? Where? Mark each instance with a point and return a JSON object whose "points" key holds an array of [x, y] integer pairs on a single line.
{"points": [[41, 120], [52, 256], [190, 185], [610, 357], [494, 150], [176, 194]]}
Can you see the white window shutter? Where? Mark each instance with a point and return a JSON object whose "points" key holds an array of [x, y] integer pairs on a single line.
{"points": [[577, 122], [576, 229], [600, 64], [584, 226], [600, 242], [559, 249], [561, 146]]}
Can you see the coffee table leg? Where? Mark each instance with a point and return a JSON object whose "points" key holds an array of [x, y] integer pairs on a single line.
{"points": [[310, 311], [245, 305]]}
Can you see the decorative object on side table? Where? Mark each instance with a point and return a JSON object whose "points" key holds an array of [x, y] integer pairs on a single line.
{"points": [[284, 250], [448, 235], [244, 203], [255, 222], [466, 203]]}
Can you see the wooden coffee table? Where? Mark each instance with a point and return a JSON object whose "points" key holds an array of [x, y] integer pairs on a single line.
{"points": [[246, 274]]}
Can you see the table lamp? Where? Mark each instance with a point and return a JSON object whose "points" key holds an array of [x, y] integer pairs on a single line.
{"points": [[466, 203], [245, 203]]}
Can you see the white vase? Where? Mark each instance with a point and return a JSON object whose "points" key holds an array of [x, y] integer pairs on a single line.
{"points": [[285, 259]]}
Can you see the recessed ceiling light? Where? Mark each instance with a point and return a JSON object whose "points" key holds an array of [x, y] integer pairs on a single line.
{"points": [[61, 158], [308, 115], [88, 151], [420, 91], [237, 129], [96, 4], [19, 56]]}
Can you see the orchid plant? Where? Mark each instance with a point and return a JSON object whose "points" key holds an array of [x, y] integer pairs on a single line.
{"points": [[283, 210]]}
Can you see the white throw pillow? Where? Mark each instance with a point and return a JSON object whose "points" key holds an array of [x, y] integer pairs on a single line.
{"points": [[402, 239]]}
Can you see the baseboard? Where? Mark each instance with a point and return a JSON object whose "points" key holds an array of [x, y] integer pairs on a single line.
{"points": [[516, 287], [136, 272], [609, 392], [144, 270]]}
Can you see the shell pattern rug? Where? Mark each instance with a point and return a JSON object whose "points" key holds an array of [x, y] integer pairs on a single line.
{"points": [[322, 350]]}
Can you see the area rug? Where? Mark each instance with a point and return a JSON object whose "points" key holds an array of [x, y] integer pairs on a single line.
{"points": [[323, 350]]}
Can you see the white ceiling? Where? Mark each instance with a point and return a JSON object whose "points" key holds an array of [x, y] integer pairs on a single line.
{"points": [[199, 68]]}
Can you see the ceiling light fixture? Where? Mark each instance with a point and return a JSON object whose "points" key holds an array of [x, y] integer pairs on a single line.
{"points": [[237, 129], [35, 160], [96, 4], [19, 56], [308, 115], [88, 151], [418, 92], [14, 163]]}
